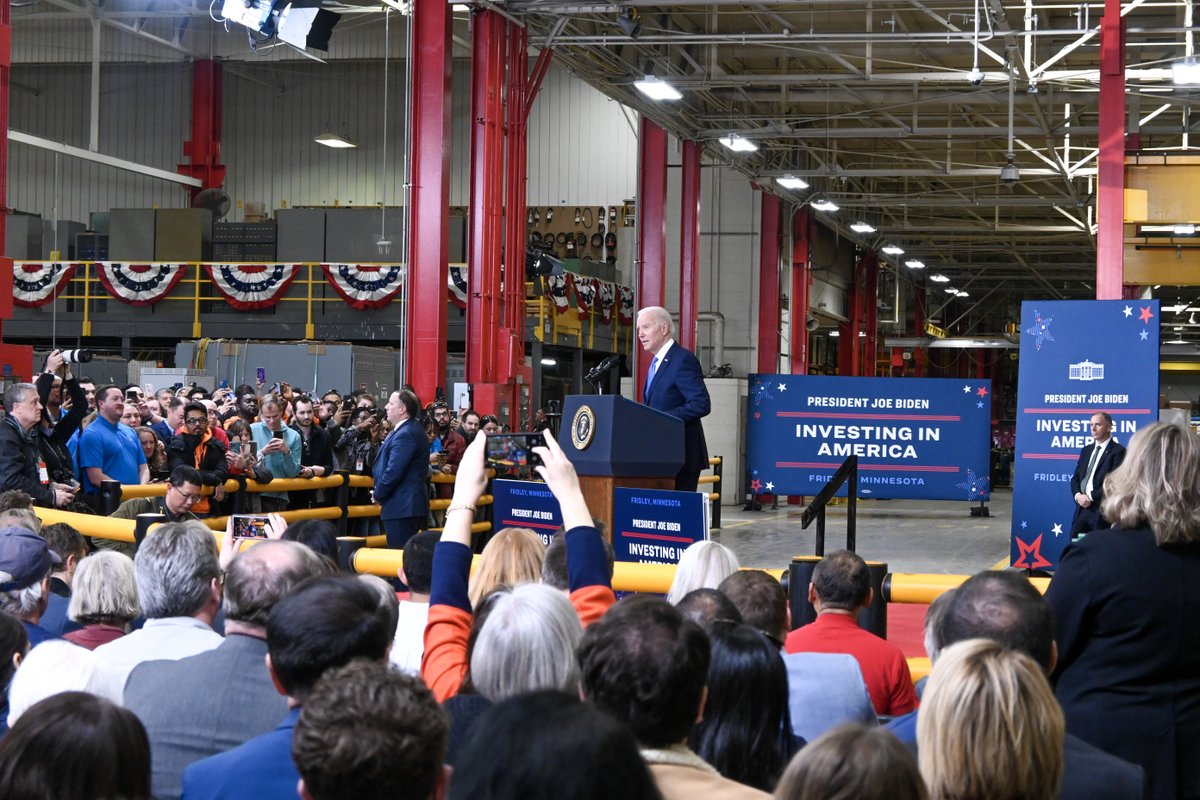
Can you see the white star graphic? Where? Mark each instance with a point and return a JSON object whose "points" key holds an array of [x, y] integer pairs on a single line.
{"points": [[1128, 311], [782, 387], [1024, 524], [966, 390], [770, 486], [1057, 529], [1143, 335]]}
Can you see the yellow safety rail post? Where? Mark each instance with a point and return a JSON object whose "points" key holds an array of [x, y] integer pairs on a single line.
{"points": [[196, 302], [310, 330], [714, 497], [87, 299], [920, 589]]}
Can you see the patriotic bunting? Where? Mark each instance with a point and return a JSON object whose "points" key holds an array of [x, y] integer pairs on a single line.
{"points": [[585, 294], [251, 286], [35, 283], [457, 283], [364, 286], [558, 285], [608, 301], [626, 305], [139, 284]]}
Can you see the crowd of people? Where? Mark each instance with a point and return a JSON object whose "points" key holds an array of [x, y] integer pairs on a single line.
{"points": [[201, 668]]}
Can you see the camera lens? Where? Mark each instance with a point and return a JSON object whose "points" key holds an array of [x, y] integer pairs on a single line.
{"points": [[77, 356]]}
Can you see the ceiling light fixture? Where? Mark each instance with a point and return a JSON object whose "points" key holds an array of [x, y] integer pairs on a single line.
{"points": [[862, 227], [334, 141], [1186, 72], [792, 182], [938, 277], [893, 250], [655, 89], [823, 203], [629, 23], [835, 334], [962, 294], [1183, 230], [913, 263], [548, 362], [738, 144], [951, 290]]}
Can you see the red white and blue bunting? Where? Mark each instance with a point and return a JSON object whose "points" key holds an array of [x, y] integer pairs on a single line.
{"points": [[365, 286], [585, 293], [626, 305], [251, 286], [456, 282], [558, 292], [35, 283], [608, 300], [139, 284]]}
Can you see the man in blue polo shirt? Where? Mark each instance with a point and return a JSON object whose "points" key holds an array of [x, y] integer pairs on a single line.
{"points": [[109, 450]]}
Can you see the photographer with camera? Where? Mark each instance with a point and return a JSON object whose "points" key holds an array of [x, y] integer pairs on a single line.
{"points": [[21, 465], [55, 430]]}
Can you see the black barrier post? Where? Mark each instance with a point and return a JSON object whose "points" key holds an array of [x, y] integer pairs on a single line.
{"points": [[110, 497], [343, 502], [718, 468], [347, 546], [141, 527]]}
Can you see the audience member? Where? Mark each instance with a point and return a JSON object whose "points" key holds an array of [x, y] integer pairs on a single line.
{"points": [[417, 574], [389, 604], [933, 620], [316, 451], [196, 447], [57, 666], [71, 549], [370, 733], [184, 490], [450, 444], [554, 566], [761, 600], [14, 644], [318, 535], [546, 745], [213, 701], [15, 498], [746, 732], [1124, 602], [21, 518], [852, 762], [839, 590], [990, 726], [25, 566], [19, 454], [513, 556], [59, 422], [155, 452], [75, 746], [278, 450], [179, 591], [324, 623], [468, 425], [104, 600], [703, 564], [708, 606], [401, 471], [647, 665], [109, 450], [172, 420]]}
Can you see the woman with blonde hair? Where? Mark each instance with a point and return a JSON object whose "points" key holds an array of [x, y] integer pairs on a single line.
{"points": [[1125, 601], [989, 727], [703, 565], [513, 556]]}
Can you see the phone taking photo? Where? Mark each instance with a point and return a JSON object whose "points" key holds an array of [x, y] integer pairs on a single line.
{"points": [[250, 526], [513, 449]]}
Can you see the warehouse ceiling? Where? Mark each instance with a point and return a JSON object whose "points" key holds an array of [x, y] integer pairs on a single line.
{"points": [[899, 111]]}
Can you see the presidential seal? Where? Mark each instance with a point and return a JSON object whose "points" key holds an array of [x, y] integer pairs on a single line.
{"points": [[583, 427]]}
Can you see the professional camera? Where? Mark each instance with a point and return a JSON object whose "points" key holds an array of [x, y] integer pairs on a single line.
{"points": [[77, 356]]}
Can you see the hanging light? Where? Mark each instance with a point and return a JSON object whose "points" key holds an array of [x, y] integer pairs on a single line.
{"points": [[893, 250], [792, 182], [655, 89], [738, 144], [823, 203], [913, 263], [862, 227]]}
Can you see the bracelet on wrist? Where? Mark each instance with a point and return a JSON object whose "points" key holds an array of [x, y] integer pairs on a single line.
{"points": [[462, 507]]}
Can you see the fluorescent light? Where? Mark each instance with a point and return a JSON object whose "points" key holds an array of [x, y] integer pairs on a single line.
{"points": [[548, 362], [334, 141], [862, 227], [835, 334], [655, 89], [460, 7], [737, 144], [938, 277], [1176, 340], [792, 182], [1177, 328], [823, 203], [1183, 230], [913, 263], [862, 333], [893, 250], [1186, 71], [962, 294], [951, 290]]}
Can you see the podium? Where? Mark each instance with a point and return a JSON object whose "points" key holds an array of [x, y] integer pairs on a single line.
{"points": [[617, 443]]}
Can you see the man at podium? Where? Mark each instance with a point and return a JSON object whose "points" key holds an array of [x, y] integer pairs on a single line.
{"points": [[675, 385]]}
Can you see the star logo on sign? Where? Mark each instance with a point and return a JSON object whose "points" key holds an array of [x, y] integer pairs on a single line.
{"points": [[770, 486], [1024, 524], [966, 390], [1128, 311], [782, 387], [758, 415], [1145, 315], [1057, 529], [979, 404], [755, 485], [982, 392], [1143, 335], [1030, 554]]}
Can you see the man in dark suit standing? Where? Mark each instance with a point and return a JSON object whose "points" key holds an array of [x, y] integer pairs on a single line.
{"points": [[1087, 484], [402, 471], [675, 385]]}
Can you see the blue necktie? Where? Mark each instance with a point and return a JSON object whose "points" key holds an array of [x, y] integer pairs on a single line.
{"points": [[650, 376]]}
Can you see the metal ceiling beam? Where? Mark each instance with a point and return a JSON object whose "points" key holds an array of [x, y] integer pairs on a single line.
{"points": [[100, 158]]}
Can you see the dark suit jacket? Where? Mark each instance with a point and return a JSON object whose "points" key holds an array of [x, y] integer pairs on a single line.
{"points": [[203, 705], [1128, 674], [401, 472], [1113, 455], [678, 389], [19, 456], [261, 768]]}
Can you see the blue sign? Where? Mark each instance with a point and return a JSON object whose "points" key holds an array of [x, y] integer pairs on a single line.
{"points": [[1077, 357], [914, 437], [525, 504], [655, 526]]}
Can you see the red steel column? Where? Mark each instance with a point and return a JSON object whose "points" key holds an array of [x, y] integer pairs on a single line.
{"points": [[870, 295], [204, 148], [652, 230], [1110, 198], [487, 175], [515, 186], [689, 244], [429, 202], [802, 236], [6, 265], [768, 284], [849, 348]]}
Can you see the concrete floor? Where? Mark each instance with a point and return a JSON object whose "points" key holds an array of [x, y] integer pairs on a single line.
{"points": [[925, 536]]}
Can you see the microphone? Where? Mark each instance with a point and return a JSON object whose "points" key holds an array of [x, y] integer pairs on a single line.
{"points": [[602, 368]]}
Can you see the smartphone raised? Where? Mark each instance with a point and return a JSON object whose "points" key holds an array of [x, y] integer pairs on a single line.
{"points": [[245, 448], [250, 526], [513, 449], [276, 434], [261, 375]]}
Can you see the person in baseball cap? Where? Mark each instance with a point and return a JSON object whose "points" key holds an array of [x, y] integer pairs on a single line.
{"points": [[25, 565]]}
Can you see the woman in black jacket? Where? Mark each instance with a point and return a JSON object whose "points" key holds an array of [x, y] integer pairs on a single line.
{"points": [[54, 434]]}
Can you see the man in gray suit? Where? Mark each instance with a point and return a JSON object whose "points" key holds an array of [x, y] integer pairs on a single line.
{"points": [[209, 703]]}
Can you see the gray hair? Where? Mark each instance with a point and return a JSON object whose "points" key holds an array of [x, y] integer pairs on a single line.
{"points": [[933, 619], [527, 643], [176, 566], [660, 315], [104, 589], [17, 393], [1157, 485], [20, 603], [262, 575], [21, 518], [704, 565]]}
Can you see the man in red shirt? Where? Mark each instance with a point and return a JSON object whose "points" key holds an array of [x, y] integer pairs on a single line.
{"points": [[839, 590]]}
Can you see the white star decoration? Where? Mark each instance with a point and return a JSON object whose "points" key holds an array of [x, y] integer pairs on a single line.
{"points": [[1128, 311], [966, 390], [1057, 529], [782, 387], [770, 486]]}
